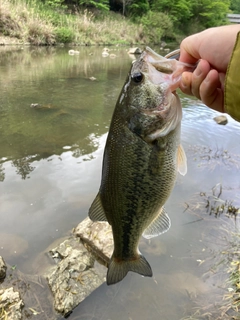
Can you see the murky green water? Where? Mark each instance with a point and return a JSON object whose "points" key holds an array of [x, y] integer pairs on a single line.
{"points": [[50, 169]]}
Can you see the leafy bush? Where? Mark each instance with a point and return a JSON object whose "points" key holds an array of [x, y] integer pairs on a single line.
{"points": [[55, 3], [157, 25], [64, 35], [137, 8], [100, 4]]}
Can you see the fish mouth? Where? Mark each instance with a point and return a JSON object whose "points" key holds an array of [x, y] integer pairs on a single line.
{"points": [[164, 71]]}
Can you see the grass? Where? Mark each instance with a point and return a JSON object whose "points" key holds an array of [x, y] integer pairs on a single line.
{"points": [[22, 21], [226, 269], [32, 22], [232, 298], [225, 305]]}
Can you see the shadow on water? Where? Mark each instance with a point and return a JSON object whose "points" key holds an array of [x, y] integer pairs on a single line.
{"points": [[50, 169]]}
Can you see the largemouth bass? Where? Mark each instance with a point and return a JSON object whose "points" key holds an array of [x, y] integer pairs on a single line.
{"points": [[141, 159]]}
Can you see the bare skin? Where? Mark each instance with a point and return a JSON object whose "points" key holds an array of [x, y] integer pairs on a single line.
{"points": [[213, 47]]}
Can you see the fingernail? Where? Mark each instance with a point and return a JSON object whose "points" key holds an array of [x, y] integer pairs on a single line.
{"points": [[198, 71]]}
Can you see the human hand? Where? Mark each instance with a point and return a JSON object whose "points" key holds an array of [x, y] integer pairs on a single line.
{"points": [[213, 47]]}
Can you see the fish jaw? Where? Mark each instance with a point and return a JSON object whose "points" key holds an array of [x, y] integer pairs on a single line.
{"points": [[170, 69]]}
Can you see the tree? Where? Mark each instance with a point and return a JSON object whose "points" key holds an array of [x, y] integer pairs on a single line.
{"points": [[100, 4], [210, 13], [235, 6], [137, 8], [180, 11]]}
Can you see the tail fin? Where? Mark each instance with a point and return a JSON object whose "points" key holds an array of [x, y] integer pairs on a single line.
{"points": [[117, 270]]}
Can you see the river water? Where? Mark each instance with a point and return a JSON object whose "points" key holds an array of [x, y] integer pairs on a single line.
{"points": [[50, 170]]}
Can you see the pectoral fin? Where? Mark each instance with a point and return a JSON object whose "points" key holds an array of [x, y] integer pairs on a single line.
{"points": [[96, 211], [159, 225], [181, 161]]}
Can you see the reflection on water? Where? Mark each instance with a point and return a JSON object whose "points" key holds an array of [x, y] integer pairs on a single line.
{"points": [[50, 168], [73, 110]]}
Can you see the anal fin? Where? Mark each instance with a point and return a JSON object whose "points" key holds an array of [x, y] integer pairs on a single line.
{"points": [[158, 226], [96, 211]]}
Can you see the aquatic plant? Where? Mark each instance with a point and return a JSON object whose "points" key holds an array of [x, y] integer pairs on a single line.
{"points": [[223, 261]]}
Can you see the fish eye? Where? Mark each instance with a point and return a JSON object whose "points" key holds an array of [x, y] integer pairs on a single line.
{"points": [[137, 77]]}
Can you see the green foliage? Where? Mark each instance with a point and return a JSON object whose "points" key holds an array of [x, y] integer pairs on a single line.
{"points": [[137, 8], [157, 25], [235, 6], [55, 3], [48, 22], [101, 4], [210, 13], [64, 35], [179, 11], [188, 14]]}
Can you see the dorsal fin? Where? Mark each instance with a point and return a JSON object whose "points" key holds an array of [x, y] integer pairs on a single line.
{"points": [[96, 211], [181, 161], [159, 225]]}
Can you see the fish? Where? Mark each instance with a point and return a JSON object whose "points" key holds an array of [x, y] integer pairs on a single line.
{"points": [[141, 159]]}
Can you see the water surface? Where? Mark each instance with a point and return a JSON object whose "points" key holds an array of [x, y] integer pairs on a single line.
{"points": [[50, 170]]}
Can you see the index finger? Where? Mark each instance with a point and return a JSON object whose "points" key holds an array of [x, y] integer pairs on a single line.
{"points": [[189, 50]]}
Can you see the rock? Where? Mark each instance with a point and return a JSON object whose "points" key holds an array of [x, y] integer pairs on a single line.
{"points": [[73, 52], [10, 304], [74, 277], [135, 50], [221, 120], [163, 44], [35, 105], [41, 106], [3, 268], [166, 50], [97, 236], [105, 52]]}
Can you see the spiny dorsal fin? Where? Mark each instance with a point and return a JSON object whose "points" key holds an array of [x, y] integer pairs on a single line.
{"points": [[96, 211], [181, 161], [158, 226]]}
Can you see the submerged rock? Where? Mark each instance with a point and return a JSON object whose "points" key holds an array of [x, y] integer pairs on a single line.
{"points": [[74, 277], [71, 271], [10, 304], [221, 120], [41, 106], [73, 52], [3, 268], [97, 236], [105, 52]]}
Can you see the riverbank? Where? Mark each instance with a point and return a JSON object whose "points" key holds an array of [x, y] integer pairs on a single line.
{"points": [[52, 22], [34, 23]]}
